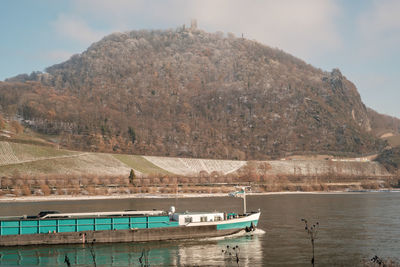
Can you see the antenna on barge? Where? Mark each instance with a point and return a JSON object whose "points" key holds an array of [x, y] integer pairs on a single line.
{"points": [[242, 194]]}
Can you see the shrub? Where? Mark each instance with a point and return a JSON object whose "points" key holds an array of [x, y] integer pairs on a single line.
{"points": [[17, 191], [26, 191], [135, 190], [156, 181], [101, 191], [204, 180], [105, 180], [316, 187], [116, 180], [45, 189], [16, 127], [165, 180], [183, 180], [95, 180], [144, 189], [75, 189], [84, 181], [19, 182], [2, 122], [6, 182], [132, 177], [52, 182], [60, 182], [91, 190], [60, 191]]}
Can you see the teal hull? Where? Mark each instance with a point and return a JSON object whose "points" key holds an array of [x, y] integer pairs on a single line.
{"points": [[22, 227], [236, 225]]}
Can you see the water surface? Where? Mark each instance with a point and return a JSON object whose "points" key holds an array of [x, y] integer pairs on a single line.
{"points": [[353, 228]]}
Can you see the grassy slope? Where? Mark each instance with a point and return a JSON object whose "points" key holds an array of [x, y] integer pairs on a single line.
{"points": [[34, 159], [393, 140], [28, 136], [36, 167], [27, 152], [139, 163], [33, 153], [75, 164]]}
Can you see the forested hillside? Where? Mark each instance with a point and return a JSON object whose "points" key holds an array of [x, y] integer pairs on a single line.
{"points": [[383, 124], [189, 93], [390, 158]]}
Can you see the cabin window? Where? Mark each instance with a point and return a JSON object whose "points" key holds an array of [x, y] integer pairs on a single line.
{"points": [[217, 218], [188, 219], [203, 218]]}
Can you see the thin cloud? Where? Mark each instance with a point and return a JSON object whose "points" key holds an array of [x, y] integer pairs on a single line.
{"points": [[379, 28], [76, 29], [58, 55], [379, 93], [303, 28], [382, 17], [300, 27]]}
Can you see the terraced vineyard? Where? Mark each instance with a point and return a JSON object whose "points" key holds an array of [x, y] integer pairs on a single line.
{"points": [[7, 155], [32, 159], [12, 153], [318, 167], [140, 164], [188, 166]]}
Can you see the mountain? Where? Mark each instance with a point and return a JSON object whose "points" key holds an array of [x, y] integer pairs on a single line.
{"points": [[190, 93], [383, 125], [390, 159]]}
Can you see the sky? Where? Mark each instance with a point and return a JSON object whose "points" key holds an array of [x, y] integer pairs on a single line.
{"points": [[360, 37]]}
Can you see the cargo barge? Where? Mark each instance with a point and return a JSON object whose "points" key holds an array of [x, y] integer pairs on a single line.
{"points": [[121, 226]]}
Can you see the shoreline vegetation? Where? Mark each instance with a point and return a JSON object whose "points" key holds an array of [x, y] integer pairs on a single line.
{"points": [[88, 176], [187, 195], [33, 187], [73, 185]]}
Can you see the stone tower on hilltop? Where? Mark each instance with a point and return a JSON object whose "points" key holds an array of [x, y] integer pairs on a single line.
{"points": [[193, 24]]}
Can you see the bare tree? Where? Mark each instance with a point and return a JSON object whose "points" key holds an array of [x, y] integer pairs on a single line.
{"points": [[312, 232]]}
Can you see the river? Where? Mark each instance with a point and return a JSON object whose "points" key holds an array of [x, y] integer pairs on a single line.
{"points": [[354, 227]]}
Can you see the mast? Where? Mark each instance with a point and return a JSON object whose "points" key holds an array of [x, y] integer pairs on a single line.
{"points": [[241, 194], [244, 200]]}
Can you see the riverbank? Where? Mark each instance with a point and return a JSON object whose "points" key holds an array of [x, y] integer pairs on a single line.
{"points": [[188, 195]]}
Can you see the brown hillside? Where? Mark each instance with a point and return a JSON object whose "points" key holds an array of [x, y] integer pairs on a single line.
{"points": [[383, 124], [189, 93], [390, 158]]}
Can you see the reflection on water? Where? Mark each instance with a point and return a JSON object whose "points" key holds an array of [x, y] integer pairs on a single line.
{"points": [[204, 252], [208, 252]]}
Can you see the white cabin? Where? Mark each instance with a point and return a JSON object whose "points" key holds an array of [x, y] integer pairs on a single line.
{"points": [[191, 217]]}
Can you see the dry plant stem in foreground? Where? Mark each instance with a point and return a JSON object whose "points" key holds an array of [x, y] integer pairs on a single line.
{"points": [[312, 232]]}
